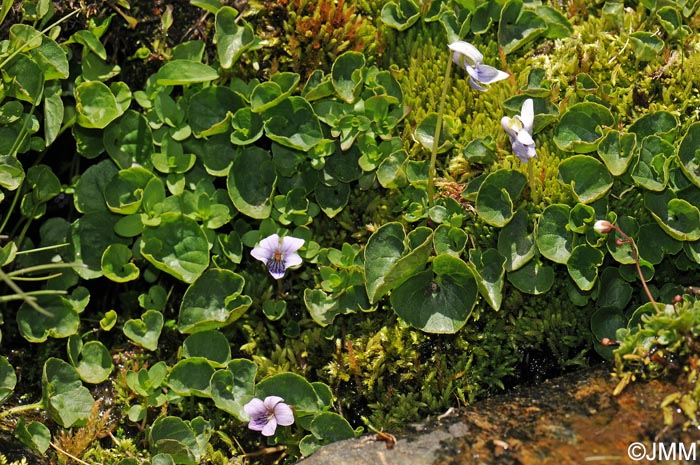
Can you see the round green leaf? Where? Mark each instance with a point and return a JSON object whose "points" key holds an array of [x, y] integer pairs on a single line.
{"points": [[294, 389], [252, 195], [659, 123], [214, 300], [515, 243], [11, 172], [62, 322], [67, 401], [293, 123], [146, 330], [438, 300], [494, 201], [332, 199], [646, 45], [583, 265], [184, 72], [580, 127], [488, 268], [124, 192], [35, 434], [615, 292], [346, 75], [679, 218], [651, 171], [330, 427], [117, 265], [8, 379], [616, 151], [209, 109], [211, 345], [90, 188], [533, 278], [553, 238], [400, 16], [191, 376], [96, 105], [129, 141], [518, 26], [94, 363], [247, 127], [233, 387], [588, 178], [177, 246]]}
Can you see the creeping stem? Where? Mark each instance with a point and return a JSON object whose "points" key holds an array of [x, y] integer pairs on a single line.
{"points": [[436, 138]]}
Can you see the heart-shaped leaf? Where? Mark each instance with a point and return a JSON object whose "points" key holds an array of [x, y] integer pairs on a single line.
{"points": [[581, 127], [233, 387], [588, 178], [146, 330]]}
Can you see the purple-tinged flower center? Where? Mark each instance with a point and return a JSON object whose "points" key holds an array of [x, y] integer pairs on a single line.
{"points": [[276, 263]]}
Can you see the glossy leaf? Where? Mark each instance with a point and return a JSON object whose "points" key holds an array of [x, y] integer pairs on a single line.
{"points": [[588, 178], [129, 141], [92, 360], [184, 72], [8, 379], [496, 196], [65, 398], [293, 123], [252, 195], [533, 278], [583, 265], [518, 26], [214, 300], [177, 246], [581, 127], [63, 320], [679, 218], [617, 151], [96, 105], [232, 38], [515, 243], [553, 238], [233, 387], [438, 300], [211, 345], [190, 377]]}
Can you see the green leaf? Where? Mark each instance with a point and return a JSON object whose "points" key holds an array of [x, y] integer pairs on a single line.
{"points": [[211, 345], [689, 153], [518, 26], [515, 243], [91, 360], [67, 401], [617, 151], [129, 141], [651, 171], [8, 379], [62, 322], [214, 300], [425, 134], [27, 79], [88, 39], [231, 38], [91, 234], [96, 105], [400, 16], [210, 109], [247, 127], [184, 72], [175, 437], [449, 240], [34, 434], [552, 236], [679, 218], [659, 123], [331, 427], [116, 264], [293, 123], [588, 178], [294, 389], [232, 388], [11, 173], [494, 201], [252, 195], [615, 292], [646, 45], [583, 265], [489, 269], [346, 75], [533, 278], [438, 300], [177, 246], [124, 193], [90, 188], [268, 94], [146, 330], [604, 324], [332, 199], [190, 377], [109, 320], [581, 127]]}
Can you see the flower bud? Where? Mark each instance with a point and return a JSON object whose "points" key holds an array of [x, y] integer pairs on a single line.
{"points": [[603, 226]]}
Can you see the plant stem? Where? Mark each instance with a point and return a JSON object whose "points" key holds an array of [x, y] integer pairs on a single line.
{"points": [[436, 138], [635, 256], [531, 179], [21, 408]]}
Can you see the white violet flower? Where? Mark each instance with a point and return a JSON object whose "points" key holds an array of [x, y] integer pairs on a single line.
{"points": [[467, 56], [266, 414], [519, 129], [278, 254]]}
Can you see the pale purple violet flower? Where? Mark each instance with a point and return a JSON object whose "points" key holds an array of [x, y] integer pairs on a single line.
{"points": [[519, 129], [266, 414], [278, 254], [467, 56]]}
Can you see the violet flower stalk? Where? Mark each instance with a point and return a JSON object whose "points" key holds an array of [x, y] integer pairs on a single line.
{"points": [[278, 254], [266, 414], [466, 55]]}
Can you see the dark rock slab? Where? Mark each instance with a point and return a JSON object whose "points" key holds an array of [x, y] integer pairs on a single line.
{"points": [[573, 419]]}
